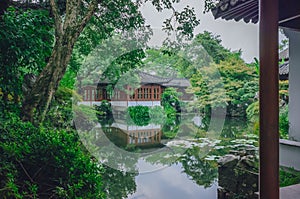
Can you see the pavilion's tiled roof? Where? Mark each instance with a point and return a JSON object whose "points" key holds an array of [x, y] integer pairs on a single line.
{"points": [[167, 82], [284, 55], [148, 78], [237, 10], [284, 67], [178, 82], [248, 10], [284, 70]]}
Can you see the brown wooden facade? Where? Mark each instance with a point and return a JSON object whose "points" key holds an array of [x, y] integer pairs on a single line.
{"points": [[149, 92], [151, 89], [144, 93], [93, 93], [139, 137], [144, 137]]}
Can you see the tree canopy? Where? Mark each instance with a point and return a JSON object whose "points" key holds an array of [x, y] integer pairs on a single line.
{"points": [[98, 20]]}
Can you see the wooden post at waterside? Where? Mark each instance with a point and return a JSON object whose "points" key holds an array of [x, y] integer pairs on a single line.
{"points": [[268, 100]]}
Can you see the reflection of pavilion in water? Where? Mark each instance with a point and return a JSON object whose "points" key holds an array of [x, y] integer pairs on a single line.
{"points": [[141, 136]]}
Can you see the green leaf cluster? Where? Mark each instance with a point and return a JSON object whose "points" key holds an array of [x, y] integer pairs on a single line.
{"points": [[26, 40], [288, 176], [139, 115], [45, 163], [228, 82]]}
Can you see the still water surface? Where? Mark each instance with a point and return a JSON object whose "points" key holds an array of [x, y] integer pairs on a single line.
{"points": [[178, 160]]}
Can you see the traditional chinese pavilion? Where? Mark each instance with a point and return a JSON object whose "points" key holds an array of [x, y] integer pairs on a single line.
{"points": [[148, 94]]}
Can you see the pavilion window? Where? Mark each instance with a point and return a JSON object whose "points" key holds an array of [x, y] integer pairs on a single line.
{"points": [[99, 94], [139, 93], [148, 93], [145, 93], [117, 95], [104, 93], [93, 94], [86, 94], [130, 93], [158, 93], [133, 93]]}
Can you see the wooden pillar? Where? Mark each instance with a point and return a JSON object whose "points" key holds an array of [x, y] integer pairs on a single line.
{"points": [[268, 100]]}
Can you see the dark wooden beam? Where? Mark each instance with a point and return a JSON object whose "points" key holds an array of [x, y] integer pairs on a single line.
{"points": [[268, 100], [288, 9], [291, 23]]}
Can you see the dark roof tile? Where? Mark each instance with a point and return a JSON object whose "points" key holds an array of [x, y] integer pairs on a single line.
{"points": [[237, 10], [284, 68]]}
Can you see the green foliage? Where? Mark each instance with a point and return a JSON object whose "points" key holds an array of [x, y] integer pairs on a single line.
{"points": [[284, 91], [157, 115], [201, 171], [139, 115], [117, 183], [104, 110], [26, 40], [288, 176], [209, 90], [60, 113], [68, 81], [284, 122], [209, 4], [253, 111], [104, 113], [240, 83], [170, 127], [253, 117], [143, 115], [87, 113], [162, 62], [212, 45], [45, 163], [248, 93], [180, 62], [112, 59], [230, 84], [170, 101]]}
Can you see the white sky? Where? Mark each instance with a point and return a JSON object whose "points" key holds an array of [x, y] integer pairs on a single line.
{"points": [[234, 35]]}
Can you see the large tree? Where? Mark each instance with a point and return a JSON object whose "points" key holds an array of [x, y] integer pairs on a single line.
{"points": [[71, 17]]}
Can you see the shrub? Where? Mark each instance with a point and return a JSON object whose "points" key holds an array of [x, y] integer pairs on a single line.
{"points": [[157, 115], [253, 116], [139, 115], [104, 110], [283, 122], [60, 113], [288, 176], [253, 112], [45, 163], [170, 101]]}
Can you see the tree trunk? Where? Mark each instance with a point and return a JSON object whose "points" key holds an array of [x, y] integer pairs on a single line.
{"points": [[37, 101], [67, 30]]}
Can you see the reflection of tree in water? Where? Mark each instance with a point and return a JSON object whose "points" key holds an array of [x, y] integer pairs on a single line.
{"points": [[104, 113], [232, 128], [106, 121], [170, 127], [118, 184], [201, 171]]}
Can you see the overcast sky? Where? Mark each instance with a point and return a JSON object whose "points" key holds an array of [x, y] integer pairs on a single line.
{"points": [[234, 35]]}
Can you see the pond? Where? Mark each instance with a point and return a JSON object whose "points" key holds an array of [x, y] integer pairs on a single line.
{"points": [[177, 159]]}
